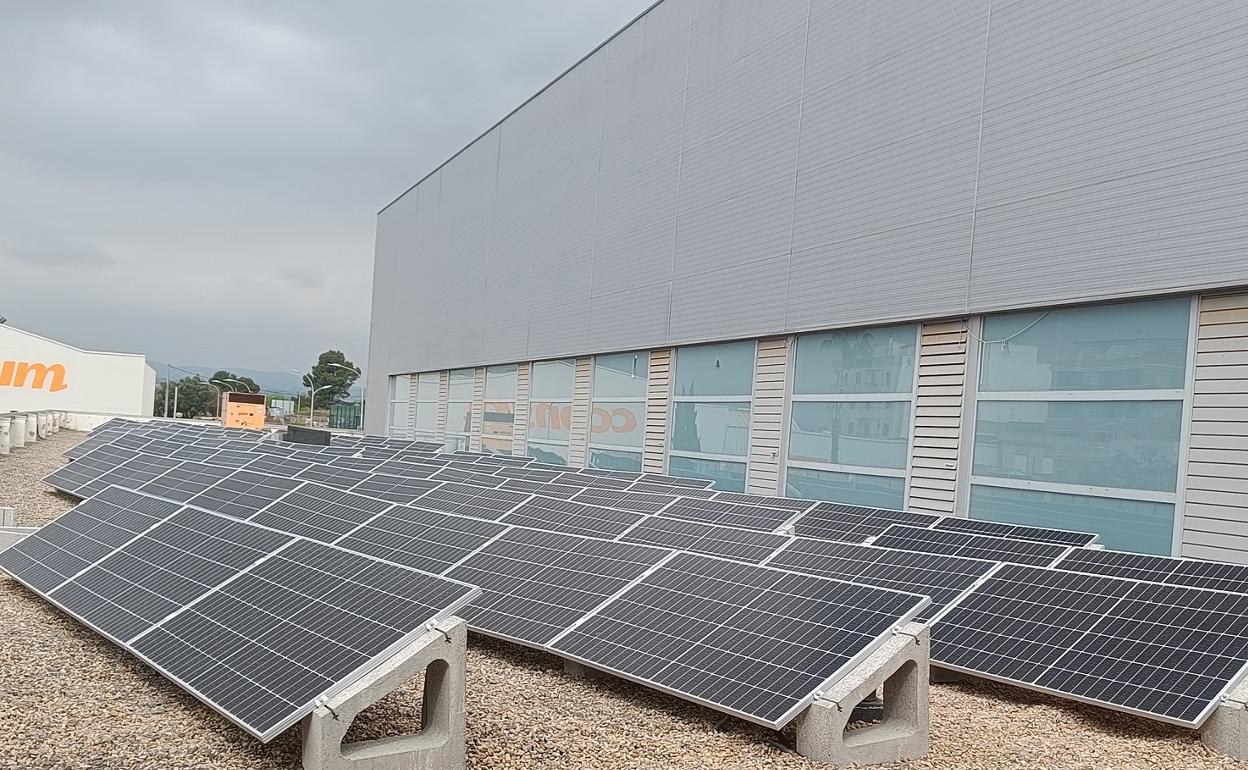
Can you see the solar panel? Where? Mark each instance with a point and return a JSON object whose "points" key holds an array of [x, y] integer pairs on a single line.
{"points": [[468, 477], [407, 469], [729, 514], [660, 488], [970, 546], [131, 474], [185, 481], [728, 542], [232, 458], [504, 460], [278, 466], [578, 479], [1016, 531], [364, 464], [770, 501], [396, 489], [536, 584], [193, 452], [855, 523], [528, 474], [1165, 652], [941, 578], [678, 481], [319, 512], [571, 517], [89, 467], [242, 493], [1158, 569], [427, 540], [342, 478], [561, 491], [752, 641], [468, 500], [80, 537], [638, 502], [164, 447]]}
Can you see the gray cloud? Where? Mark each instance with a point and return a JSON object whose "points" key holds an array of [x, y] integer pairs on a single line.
{"points": [[204, 177]]}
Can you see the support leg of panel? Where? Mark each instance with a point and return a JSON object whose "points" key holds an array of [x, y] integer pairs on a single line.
{"points": [[900, 667], [579, 671], [1227, 730], [441, 742]]}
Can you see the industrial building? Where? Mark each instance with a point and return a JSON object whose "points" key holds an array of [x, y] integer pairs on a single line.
{"points": [[971, 257]]}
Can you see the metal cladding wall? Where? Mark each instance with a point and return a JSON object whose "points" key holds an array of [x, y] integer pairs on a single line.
{"points": [[731, 168]]}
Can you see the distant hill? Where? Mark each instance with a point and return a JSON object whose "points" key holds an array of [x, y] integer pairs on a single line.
{"points": [[269, 382]]}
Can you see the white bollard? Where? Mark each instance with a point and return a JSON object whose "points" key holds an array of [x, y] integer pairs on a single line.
{"points": [[54, 422], [32, 427], [5, 423], [17, 430], [41, 424]]}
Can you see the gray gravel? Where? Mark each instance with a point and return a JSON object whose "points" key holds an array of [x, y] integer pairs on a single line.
{"points": [[69, 699]]}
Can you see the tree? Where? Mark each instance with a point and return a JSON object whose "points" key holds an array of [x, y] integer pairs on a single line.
{"points": [[195, 398], [337, 378], [223, 376]]}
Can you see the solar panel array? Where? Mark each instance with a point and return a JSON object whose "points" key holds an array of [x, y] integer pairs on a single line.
{"points": [[568, 560]]}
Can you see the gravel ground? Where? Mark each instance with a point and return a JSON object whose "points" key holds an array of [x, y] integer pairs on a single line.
{"points": [[69, 699]]}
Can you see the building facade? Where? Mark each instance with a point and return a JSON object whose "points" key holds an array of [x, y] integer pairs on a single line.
{"points": [[973, 257]]}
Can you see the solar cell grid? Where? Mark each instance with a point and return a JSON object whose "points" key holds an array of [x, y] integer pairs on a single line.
{"points": [[395, 489], [468, 477], [468, 500], [941, 578], [1219, 576], [185, 481], [407, 469], [231, 458], [729, 542], [677, 481], [571, 517], [970, 546], [243, 493], [638, 502], [80, 537], [529, 474], [561, 491], [364, 464], [319, 512], [193, 452], [90, 466], [425, 540], [278, 466], [770, 501], [535, 584], [729, 514], [131, 474], [854, 523], [1163, 651], [342, 478], [754, 641], [587, 480], [660, 488], [1015, 531]]}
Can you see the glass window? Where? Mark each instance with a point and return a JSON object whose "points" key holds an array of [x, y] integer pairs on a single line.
{"points": [[1047, 454], [614, 460], [462, 383], [1127, 346], [866, 433], [1126, 444], [1125, 525], [458, 417], [500, 407], [849, 423], [849, 488], [426, 404], [550, 410], [714, 386], [400, 395], [617, 415], [728, 476], [856, 361], [715, 370]]}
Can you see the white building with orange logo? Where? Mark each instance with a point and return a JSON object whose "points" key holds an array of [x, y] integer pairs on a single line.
{"points": [[37, 373]]}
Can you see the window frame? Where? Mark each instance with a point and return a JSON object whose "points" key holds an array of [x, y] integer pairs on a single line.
{"points": [[458, 439], [791, 397], [487, 399], [394, 400], [421, 403], [673, 399], [566, 446], [974, 395], [590, 444]]}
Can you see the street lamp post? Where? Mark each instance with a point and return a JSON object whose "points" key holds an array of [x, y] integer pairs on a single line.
{"points": [[359, 373], [240, 382], [312, 404], [220, 394]]}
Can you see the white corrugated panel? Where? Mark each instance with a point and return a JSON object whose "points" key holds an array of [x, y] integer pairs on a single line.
{"points": [[767, 416], [444, 395], [658, 394], [578, 433], [938, 416], [1215, 518], [520, 427], [411, 404], [478, 408]]}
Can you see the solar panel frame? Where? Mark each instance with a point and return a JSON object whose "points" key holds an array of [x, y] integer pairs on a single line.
{"points": [[1016, 531], [1170, 570], [659, 488], [828, 520], [750, 546], [185, 481], [637, 502], [754, 517], [941, 541], [469, 500], [569, 517]]}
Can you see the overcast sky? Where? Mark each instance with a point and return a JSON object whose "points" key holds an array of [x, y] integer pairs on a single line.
{"points": [[199, 181]]}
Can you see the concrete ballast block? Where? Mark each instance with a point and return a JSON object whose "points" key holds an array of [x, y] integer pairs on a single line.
{"points": [[900, 667], [441, 744], [1226, 731]]}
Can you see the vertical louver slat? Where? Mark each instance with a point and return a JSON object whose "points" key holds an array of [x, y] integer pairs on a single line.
{"points": [[478, 408], [658, 394], [411, 404], [1215, 515], [520, 427], [767, 416], [579, 430], [444, 394], [938, 417]]}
